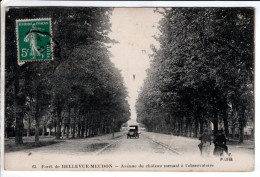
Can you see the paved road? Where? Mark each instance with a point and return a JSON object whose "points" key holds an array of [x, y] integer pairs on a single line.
{"points": [[101, 149], [122, 152], [104, 145], [142, 145], [147, 143]]}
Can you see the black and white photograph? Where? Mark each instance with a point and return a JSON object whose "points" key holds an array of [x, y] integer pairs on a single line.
{"points": [[129, 89]]}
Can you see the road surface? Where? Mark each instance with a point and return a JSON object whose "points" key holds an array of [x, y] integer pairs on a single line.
{"points": [[141, 145], [150, 149]]}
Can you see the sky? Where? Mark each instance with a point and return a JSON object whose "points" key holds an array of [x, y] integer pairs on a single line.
{"points": [[133, 28]]}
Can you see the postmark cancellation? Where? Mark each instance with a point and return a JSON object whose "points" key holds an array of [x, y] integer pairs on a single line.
{"points": [[34, 41]]}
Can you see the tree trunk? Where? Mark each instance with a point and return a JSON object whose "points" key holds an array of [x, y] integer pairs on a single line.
{"points": [[55, 130], [190, 129], [63, 128], [68, 124], [179, 128], [226, 126], [93, 129], [241, 133], [74, 124], [6, 132], [58, 134], [83, 127], [37, 130], [225, 117], [113, 130], [17, 112], [67, 131], [102, 128], [87, 128], [187, 128], [174, 128], [29, 127], [201, 127], [196, 129], [43, 131], [105, 129], [241, 125], [215, 123], [74, 127], [79, 127]]}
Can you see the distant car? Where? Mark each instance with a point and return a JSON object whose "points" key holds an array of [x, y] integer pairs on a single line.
{"points": [[133, 132]]}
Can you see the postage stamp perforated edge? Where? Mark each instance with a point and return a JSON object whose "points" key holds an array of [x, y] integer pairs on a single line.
{"points": [[17, 41]]}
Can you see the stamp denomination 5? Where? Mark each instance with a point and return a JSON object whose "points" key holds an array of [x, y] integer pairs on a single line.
{"points": [[34, 40]]}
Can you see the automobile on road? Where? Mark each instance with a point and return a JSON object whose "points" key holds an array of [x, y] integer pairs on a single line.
{"points": [[133, 132]]}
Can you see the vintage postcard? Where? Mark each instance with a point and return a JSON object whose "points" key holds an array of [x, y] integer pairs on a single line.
{"points": [[128, 89]]}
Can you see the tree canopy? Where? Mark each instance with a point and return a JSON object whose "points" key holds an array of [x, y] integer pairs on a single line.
{"points": [[79, 91], [202, 72]]}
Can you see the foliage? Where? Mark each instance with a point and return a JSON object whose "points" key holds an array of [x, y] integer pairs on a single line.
{"points": [[202, 70], [79, 90]]}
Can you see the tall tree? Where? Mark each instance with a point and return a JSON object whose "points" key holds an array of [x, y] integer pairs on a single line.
{"points": [[201, 68]]}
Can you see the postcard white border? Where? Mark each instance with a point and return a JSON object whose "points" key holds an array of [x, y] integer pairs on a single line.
{"points": [[23, 3]]}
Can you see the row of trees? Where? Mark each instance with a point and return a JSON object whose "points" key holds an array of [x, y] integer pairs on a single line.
{"points": [[202, 74], [80, 92]]}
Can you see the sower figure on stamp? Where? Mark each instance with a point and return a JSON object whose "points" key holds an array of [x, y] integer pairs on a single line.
{"points": [[32, 38], [220, 144], [205, 143]]}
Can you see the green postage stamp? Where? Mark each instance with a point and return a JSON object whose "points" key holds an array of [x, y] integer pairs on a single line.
{"points": [[34, 41]]}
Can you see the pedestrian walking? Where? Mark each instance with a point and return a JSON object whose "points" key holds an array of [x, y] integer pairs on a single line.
{"points": [[205, 142], [220, 142]]}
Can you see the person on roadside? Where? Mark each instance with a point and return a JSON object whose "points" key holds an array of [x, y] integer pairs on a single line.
{"points": [[205, 142], [220, 142]]}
